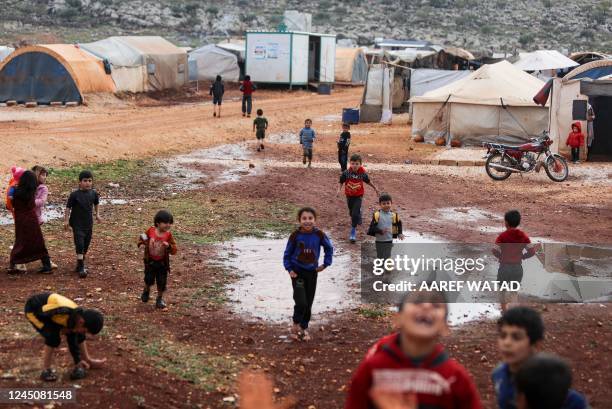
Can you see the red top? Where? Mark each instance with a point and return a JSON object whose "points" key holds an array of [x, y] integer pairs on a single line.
{"points": [[247, 87], [438, 381], [511, 243], [157, 249], [575, 139], [353, 181]]}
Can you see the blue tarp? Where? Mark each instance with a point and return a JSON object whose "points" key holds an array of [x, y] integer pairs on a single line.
{"points": [[595, 73], [36, 76]]}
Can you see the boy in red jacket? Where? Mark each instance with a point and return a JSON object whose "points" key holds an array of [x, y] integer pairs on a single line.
{"points": [[575, 140], [411, 366], [353, 179], [512, 246], [247, 89]]}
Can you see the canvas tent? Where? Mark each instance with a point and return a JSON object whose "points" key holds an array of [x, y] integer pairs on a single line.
{"points": [[5, 51], [141, 64], [52, 73], [543, 60], [493, 103], [423, 80], [569, 96], [205, 63], [585, 57], [351, 65]]}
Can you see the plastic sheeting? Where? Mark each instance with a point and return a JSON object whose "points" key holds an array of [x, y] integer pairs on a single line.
{"points": [[212, 61], [374, 93], [423, 80], [5, 51]]}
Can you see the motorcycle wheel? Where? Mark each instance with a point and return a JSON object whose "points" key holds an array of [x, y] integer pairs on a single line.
{"points": [[556, 168], [496, 174]]}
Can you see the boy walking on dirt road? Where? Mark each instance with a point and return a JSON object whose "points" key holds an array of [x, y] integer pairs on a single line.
{"points": [[217, 89], [247, 88], [158, 245], [343, 146], [511, 247], [521, 332], [53, 315], [385, 226], [411, 367], [81, 208], [301, 260], [307, 138], [353, 179], [260, 124]]}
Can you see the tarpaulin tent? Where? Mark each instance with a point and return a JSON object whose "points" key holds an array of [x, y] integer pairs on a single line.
{"points": [[543, 60], [5, 51], [423, 80], [52, 73], [585, 57], [205, 63], [351, 65], [593, 70], [493, 103], [141, 64], [236, 47]]}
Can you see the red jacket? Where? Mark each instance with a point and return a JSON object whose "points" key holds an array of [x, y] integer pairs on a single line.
{"points": [[511, 244], [247, 88], [438, 381], [353, 181], [575, 139]]}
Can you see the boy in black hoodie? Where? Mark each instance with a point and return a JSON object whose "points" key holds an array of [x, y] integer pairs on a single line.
{"points": [[217, 89]]}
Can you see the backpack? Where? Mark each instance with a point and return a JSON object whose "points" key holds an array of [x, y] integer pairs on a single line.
{"points": [[394, 221], [8, 202]]}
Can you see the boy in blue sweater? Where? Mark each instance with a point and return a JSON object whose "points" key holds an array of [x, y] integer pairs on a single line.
{"points": [[301, 260], [307, 137], [521, 331]]}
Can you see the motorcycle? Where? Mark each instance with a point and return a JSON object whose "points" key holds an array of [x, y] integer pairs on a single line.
{"points": [[503, 160]]}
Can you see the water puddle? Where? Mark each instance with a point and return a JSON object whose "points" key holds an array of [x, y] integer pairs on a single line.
{"points": [[52, 212], [284, 137], [213, 166], [264, 291]]}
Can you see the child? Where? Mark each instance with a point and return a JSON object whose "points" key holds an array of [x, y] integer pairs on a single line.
{"points": [[543, 382], [81, 208], [301, 260], [261, 124], [29, 241], [307, 138], [412, 364], [159, 244], [16, 173], [53, 315], [521, 331], [247, 89], [575, 140], [353, 180], [508, 249], [42, 192], [385, 226], [217, 89], [343, 146]]}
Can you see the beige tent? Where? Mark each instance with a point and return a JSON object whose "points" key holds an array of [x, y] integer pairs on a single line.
{"points": [[493, 103], [140, 64], [351, 65]]}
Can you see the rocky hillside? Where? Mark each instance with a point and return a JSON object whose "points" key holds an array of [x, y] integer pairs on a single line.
{"points": [[479, 25]]}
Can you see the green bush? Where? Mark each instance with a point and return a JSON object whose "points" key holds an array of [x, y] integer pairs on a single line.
{"points": [[525, 39]]}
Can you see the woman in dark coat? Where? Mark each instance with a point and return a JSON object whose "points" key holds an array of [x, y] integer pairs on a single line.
{"points": [[29, 242]]}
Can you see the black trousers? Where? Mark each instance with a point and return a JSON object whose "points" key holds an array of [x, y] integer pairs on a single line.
{"points": [[354, 206], [156, 272], [247, 104], [383, 249], [82, 239], [575, 154], [343, 159], [304, 289]]}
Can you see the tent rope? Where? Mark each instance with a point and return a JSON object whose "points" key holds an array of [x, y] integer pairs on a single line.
{"points": [[504, 106], [436, 115]]}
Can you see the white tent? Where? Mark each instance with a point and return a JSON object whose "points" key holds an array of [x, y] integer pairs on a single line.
{"points": [[542, 60], [205, 63], [493, 103], [140, 64], [236, 47], [351, 65], [5, 51]]}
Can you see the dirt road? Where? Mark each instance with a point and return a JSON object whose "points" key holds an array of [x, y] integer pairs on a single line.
{"points": [[189, 356]]}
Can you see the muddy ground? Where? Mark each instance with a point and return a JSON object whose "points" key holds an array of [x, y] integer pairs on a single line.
{"points": [[189, 356]]}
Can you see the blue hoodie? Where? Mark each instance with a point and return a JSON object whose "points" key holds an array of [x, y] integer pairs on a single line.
{"points": [[303, 250]]}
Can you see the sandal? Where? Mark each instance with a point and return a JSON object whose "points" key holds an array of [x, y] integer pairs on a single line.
{"points": [[78, 373]]}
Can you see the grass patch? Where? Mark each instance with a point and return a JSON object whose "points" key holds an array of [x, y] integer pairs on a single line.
{"points": [[374, 311], [115, 171]]}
